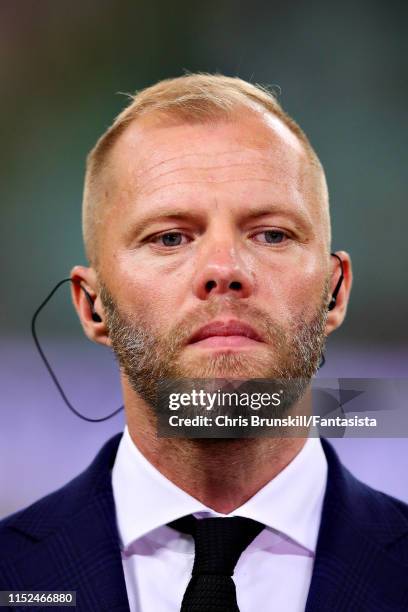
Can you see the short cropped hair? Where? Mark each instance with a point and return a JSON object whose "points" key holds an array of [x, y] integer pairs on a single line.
{"points": [[191, 98]]}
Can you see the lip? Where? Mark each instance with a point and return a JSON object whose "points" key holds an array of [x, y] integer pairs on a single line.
{"points": [[225, 333]]}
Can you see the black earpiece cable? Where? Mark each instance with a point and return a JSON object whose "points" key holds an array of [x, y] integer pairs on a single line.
{"points": [[48, 366]]}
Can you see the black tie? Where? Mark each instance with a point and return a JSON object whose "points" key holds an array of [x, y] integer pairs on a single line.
{"points": [[219, 543]]}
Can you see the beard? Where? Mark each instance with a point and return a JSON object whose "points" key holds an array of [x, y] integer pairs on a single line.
{"points": [[290, 355]]}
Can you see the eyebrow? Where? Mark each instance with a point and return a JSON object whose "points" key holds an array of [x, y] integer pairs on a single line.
{"points": [[299, 217]]}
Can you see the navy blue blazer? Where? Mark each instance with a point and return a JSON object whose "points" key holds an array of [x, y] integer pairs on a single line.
{"points": [[69, 541]]}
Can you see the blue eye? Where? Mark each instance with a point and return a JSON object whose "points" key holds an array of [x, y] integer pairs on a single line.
{"points": [[272, 236], [169, 239]]}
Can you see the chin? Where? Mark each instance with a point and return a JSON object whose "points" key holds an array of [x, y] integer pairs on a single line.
{"points": [[225, 365]]}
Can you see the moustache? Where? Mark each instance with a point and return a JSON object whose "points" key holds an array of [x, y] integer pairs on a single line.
{"points": [[261, 321]]}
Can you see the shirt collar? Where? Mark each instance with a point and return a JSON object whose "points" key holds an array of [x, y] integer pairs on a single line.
{"points": [[290, 503]]}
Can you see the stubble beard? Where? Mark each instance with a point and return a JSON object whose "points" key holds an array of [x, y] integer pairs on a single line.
{"points": [[147, 358]]}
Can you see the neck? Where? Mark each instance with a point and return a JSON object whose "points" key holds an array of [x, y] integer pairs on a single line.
{"points": [[222, 474]]}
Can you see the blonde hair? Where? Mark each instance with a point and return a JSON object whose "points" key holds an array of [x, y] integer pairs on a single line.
{"points": [[190, 98]]}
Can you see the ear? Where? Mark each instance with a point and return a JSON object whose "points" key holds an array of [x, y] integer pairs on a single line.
{"points": [[336, 316], [86, 277]]}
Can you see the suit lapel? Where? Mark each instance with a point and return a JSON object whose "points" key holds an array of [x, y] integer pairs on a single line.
{"points": [[354, 567]]}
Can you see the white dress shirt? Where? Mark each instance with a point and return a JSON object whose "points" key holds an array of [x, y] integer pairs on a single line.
{"points": [[273, 573]]}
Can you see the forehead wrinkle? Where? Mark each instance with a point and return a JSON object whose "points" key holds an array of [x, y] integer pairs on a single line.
{"points": [[217, 167], [204, 182], [272, 168], [186, 155], [211, 166]]}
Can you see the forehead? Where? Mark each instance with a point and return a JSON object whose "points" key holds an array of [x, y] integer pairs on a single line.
{"points": [[254, 154]]}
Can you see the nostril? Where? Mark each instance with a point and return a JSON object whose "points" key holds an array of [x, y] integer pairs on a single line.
{"points": [[210, 285]]}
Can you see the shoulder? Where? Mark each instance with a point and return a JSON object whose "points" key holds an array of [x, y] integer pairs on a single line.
{"points": [[350, 486], [48, 514], [381, 517]]}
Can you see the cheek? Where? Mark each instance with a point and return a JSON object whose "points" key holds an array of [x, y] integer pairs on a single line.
{"points": [[295, 293], [309, 294], [147, 292]]}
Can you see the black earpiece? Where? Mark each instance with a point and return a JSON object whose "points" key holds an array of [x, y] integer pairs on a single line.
{"points": [[332, 302], [95, 317]]}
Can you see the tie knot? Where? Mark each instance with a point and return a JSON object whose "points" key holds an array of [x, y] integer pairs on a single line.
{"points": [[219, 542]]}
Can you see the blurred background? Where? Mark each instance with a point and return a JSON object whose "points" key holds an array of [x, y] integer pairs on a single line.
{"points": [[341, 69]]}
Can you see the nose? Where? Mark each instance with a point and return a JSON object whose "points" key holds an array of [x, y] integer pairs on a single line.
{"points": [[222, 272]]}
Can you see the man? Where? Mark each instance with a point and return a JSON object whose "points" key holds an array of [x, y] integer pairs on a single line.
{"points": [[206, 225]]}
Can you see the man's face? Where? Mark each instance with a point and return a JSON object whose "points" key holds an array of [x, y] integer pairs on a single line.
{"points": [[214, 252]]}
